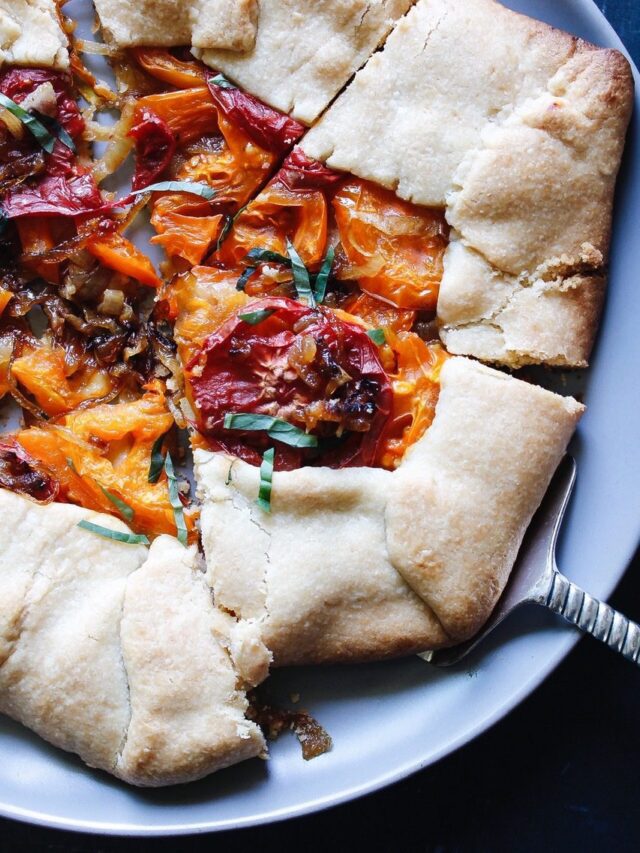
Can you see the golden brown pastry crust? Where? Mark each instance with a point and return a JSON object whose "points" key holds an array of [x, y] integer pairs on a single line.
{"points": [[306, 50], [363, 563], [225, 24], [115, 651], [521, 143], [30, 34]]}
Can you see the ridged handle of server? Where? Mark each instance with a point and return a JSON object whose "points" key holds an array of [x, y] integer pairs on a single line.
{"points": [[592, 616]]}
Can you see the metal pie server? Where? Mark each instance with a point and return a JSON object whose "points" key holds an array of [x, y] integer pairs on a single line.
{"points": [[535, 578]]}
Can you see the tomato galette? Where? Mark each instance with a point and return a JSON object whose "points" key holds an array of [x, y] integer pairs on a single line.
{"points": [[336, 250]]}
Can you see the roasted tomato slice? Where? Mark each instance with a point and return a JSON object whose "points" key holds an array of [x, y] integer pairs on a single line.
{"points": [[301, 365], [394, 249]]}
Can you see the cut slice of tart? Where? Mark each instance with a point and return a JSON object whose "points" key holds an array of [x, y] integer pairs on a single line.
{"points": [[361, 563], [306, 51], [31, 33], [225, 24], [115, 652], [520, 142]]}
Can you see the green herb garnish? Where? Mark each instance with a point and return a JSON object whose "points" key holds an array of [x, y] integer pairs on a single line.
{"points": [[301, 276], [193, 187], [128, 538], [157, 461], [322, 279], [123, 508], [229, 222], [265, 256], [274, 427], [221, 80], [71, 464], [244, 278], [45, 139], [266, 477], [174, 500], [377, 336], [56, 129], [255, 317]]}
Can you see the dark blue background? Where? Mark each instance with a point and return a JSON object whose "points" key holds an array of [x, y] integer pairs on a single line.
{"points": [[561, 773]]}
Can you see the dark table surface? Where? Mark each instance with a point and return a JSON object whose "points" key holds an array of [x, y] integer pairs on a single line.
{"points": [[560, 773]]}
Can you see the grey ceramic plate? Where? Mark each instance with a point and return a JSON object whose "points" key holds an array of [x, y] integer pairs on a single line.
{"points": [[392, 719]]}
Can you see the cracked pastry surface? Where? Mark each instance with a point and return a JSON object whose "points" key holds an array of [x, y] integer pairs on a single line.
{"points": [[115, 651], [306, 50], [31, 34], [521, 143], [225, 24], [360, 563]]}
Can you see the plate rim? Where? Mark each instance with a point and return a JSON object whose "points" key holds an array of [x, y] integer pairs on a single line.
{"points": [[564, 645]]}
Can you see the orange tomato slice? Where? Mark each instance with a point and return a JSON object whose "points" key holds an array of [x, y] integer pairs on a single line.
{"points": [[394, 249], [415, 384], [164, 66], [190, 113], [58, 388], [119, 254], [109, 446], [275, 215]]}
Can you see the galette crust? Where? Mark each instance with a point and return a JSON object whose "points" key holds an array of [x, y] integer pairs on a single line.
{"points": [[225, 24], [363, 563], [306, 50], [31, 34], [521, 142], [115, 651]]}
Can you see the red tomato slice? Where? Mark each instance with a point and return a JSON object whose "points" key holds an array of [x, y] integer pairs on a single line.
{"points": [[302, 365]]}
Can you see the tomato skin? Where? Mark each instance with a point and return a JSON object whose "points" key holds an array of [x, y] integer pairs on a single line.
{"points": [[299, 172], [155, 145], [55, 196], [245, 368], [267, 127]]}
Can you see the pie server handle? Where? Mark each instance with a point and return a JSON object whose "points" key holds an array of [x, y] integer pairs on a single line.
{"points": [[591, 616]]}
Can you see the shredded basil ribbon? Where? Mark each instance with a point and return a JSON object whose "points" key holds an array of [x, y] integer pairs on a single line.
{"points": [[123, 508], [274, 427], [157, 460], [377, 336], [244, 278], [174, 500], [255, 317], [35, 127], [221, 80], [301, 278], [266, 477], [193, 187], [322, 279], [57, 130], [264, 256], [228, 225], [128, 538]]}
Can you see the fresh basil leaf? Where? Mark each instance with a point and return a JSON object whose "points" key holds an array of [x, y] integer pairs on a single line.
{"points": [[193, 187], [274, 427], [174, 500], [123, 508], [157, 461], [228, 225], [377, 336], [35, 127], [56, 129], [301, 276], [263, 256], [266, 477], [221, 80], [129, 538], [255, 317], [244, 278], [322, 279]]}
